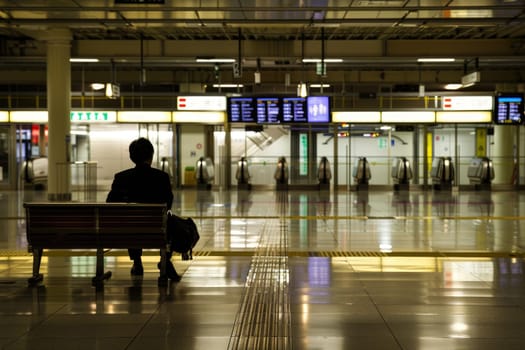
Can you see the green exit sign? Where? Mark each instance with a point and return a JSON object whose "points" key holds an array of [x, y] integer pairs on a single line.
{"points": [[90, 116]]}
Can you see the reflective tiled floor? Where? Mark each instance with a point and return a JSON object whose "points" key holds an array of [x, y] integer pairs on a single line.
{"points": [[287, 270]]}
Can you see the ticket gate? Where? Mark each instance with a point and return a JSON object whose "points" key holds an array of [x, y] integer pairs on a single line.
{"points": [[324, 173], [481, 173], [204, 173], [243, 175], [401, 174], [362, 174], [281, 174], [442, 173], [34, 173]]}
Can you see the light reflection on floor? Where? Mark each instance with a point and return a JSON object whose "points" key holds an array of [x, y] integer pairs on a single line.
{"points": [[420, 270]]}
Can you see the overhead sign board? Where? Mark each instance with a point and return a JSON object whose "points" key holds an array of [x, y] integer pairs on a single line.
{"points": [[467, 103], [201, 103]]}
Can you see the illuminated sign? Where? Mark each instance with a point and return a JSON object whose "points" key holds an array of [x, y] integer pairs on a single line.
{"points": [[144, 117], [356, 117], [93, 116], [28, 117], [408, 117], [467, 103], [201, 103]]}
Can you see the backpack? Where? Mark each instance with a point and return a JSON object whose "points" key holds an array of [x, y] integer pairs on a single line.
{"points": [[182, 235]]}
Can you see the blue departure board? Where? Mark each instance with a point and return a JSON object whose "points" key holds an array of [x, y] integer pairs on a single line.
{"points": [[294, 110], [279, 109], [241, 110], [268, 110], [508, 109]]}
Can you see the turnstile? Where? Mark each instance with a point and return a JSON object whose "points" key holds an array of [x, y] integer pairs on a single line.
{"points": [[401, 174], [204, 173], [481, 173], [442, 173]]}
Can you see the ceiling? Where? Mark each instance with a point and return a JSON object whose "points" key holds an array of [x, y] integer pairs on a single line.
{"points": [[377, 40]]}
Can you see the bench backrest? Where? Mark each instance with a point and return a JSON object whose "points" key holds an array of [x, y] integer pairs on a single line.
{"points": [[72, 225]]}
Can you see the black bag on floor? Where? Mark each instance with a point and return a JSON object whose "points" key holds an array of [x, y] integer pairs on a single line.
{"points": [[182, 235]]}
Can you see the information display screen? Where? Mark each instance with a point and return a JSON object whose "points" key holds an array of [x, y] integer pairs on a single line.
{"points": [[318, 109], [275, 110], [241, 110], [268, 110], [294, 110], [508, 109]]}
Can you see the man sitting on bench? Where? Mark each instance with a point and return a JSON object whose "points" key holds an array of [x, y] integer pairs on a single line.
{"points": [[143, 184]]}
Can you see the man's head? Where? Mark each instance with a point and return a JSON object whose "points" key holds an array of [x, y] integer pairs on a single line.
{"points": [[141, 151]]}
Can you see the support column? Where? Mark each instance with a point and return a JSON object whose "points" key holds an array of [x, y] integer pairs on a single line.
{"points": [[504, 143], [59, 106]]}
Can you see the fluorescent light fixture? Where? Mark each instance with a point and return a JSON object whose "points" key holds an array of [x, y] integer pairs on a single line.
{"points": [[464, 117], [97, 86], [215, 60], [320, 85], [4, 116], [228, 86], [326, 60], [144, 117], [453, 86], [199, 117], [84, 60], [437, 59], [28, 117], [356, 117], [408, 117]]}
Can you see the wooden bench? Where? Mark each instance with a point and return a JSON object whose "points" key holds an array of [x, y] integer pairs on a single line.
{"points": [[100, 226]]}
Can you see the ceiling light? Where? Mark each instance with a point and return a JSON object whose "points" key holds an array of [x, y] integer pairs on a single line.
{"points": [[228, 85], [215, 60], [445, 59], [320, 85], [83, 60], [326, 60], [453, 86], [98, 86]]}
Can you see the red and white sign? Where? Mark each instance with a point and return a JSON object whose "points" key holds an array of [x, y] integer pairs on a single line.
{"points": [[201, 103], [467, 103]]}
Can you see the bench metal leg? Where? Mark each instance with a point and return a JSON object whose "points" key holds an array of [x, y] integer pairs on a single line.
{"points": [[100, 275], [163, 278], [37, 259]]}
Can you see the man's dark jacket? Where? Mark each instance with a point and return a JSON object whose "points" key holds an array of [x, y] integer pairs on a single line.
{"points": [[142, 184]]}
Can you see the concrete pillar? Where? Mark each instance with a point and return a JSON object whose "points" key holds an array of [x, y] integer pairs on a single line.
{"points": [[503, 160], [59, 106]]}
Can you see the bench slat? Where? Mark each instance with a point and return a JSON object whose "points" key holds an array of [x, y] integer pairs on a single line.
{"points": [[95, 225]]}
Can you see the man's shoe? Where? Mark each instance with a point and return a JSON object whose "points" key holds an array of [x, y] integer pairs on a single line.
{"points": [[137, 270], [171, 272]]}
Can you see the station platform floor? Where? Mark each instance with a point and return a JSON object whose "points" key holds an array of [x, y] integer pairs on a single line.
{"points": [[286, 270]]}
